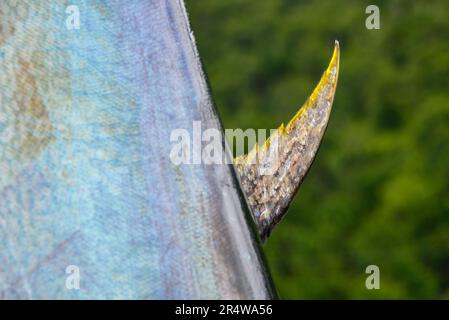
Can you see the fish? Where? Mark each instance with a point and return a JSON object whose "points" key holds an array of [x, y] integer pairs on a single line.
{"points": [[91, 204]]}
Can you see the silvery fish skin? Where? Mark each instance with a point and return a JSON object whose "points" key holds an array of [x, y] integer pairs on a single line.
{"points": [[85, 174]]}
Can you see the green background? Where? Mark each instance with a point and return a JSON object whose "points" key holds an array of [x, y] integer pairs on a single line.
{"points": [[378, 192]]}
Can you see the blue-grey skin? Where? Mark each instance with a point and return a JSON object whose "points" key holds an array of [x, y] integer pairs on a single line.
{"points": [[85, 174]]}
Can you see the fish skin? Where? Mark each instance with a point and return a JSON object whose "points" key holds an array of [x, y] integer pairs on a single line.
{"points": [[85, 174]]}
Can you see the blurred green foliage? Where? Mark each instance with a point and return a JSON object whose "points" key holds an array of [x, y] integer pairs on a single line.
{"points": [[378, 192]]}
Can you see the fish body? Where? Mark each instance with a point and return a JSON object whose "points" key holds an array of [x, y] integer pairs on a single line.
{"points": [[86, 179]]}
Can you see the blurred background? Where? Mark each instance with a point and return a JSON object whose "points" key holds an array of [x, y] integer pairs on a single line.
{"points": [[378, 191]]}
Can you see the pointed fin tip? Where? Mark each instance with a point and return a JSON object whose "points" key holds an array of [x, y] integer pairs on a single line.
{"points": [[270, 196], [334, 63], [282, 129]]}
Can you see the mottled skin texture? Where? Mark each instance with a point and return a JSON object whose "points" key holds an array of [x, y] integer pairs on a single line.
{"points": [[271, 175], [85, 174]]}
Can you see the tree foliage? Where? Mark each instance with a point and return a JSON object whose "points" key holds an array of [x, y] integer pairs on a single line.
{"points": [[378, 192]]}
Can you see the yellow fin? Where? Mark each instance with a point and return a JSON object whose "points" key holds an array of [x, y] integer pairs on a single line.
{"points": [[271, 180]]}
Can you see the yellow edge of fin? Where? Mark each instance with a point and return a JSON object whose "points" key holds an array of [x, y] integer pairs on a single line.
{"points": [[335, 62]]}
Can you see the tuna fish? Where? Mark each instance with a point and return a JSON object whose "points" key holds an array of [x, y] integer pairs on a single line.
{"points": [[91, 205]]}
